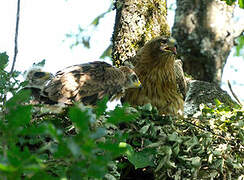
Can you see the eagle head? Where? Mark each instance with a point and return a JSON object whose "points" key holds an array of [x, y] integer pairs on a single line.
{"points": [[37, 78], [167, 45], [158, 48], [132, 80]]}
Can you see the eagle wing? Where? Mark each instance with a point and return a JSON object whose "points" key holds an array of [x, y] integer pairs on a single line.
{"points": [[87, 83], [180, 78]]}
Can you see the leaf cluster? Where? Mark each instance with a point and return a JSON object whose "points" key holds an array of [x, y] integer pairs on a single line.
{"points": [[231, 2], [9, 84], [84, 34], [136, 143], [207, 147], [49, 147]]}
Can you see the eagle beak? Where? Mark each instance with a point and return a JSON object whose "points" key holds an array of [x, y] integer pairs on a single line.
{"points": [[137, 84], [171, 46]]}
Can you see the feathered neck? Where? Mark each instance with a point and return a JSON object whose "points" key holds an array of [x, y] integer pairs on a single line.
{"points": [[157, 69]]}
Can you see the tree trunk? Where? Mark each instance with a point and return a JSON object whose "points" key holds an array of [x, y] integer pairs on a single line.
{"points": [[136, 23], [205, 32]]}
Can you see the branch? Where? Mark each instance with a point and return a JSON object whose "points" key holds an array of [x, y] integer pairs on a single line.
{"points": [[15, 47], [235, 96], [16, 37]]}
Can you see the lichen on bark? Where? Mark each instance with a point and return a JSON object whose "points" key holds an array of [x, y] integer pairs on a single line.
{"points": [[136, 23]]}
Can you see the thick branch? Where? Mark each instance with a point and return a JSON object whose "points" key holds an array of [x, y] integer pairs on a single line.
{"points": [[205, 32]]}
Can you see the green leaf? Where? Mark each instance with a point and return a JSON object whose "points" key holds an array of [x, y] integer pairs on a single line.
{"points": [[73, 147], [147, 107], [42, 175], [3, 60], [101, 106], [7, 168], [165, 151], [19, 117], [217, 102], [115, 149], [100, 132], [240, 43], [174, 137], [196, 162], [39, 64], [241, 3], [120, 114], [107, 52], [80, 118], [96, 21], [230, 2], [86, 41], [18, 99], [176, 149], [144, 129], [139, 159], [193, 141]]}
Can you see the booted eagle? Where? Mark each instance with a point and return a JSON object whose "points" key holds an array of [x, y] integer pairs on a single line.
{"points": [[161, 76], [90, 82]]}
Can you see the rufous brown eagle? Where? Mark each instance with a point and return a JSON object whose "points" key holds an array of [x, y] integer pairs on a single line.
{"points": [[161, 76], [90, 82]]}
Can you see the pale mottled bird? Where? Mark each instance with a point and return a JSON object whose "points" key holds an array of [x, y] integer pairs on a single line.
{"points": [[90, 82], [161, 76], [37, 79]]}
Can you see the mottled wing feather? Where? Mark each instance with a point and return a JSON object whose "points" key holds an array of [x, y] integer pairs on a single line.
{"points": [[180, 78], [85, 82]]}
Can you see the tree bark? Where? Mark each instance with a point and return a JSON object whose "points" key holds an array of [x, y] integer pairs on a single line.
{"points": [[136, 23], [205, 32]]}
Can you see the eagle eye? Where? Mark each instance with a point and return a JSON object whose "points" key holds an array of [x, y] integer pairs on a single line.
{"points": [[39, 74], [164, 41]]}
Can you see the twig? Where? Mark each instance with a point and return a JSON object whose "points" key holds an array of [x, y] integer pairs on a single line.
{"points": [[204, 129], [15, 47], [16, 37], [235, 96]]}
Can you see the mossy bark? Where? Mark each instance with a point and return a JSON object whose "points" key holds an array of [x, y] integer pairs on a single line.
{"points": [[136, 23], [205, 32]]}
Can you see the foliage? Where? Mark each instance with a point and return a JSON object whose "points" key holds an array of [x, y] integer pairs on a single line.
{"points": [[86, 143], [209, 146], [9, 84], [46, 146], [84, 34], [231, 2], [240, 45]]}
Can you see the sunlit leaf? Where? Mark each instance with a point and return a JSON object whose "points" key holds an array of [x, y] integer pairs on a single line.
{"points": [[39, 64], [241, 3], [240, 45], [96, 21], [107, 52], [196, 162]]}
